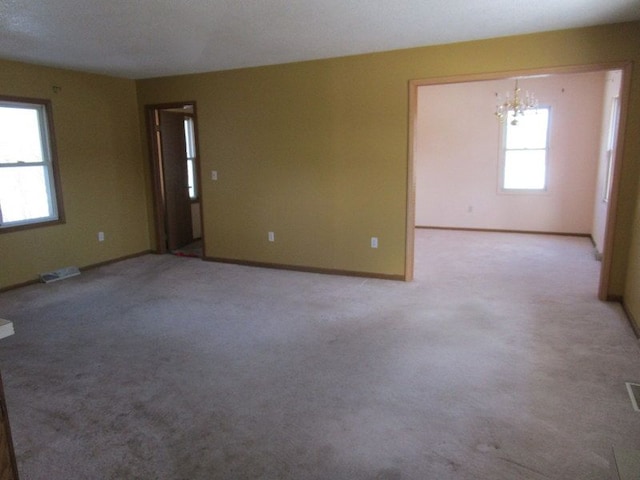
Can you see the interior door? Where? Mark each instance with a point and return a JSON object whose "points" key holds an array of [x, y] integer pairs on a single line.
{"points": [[176, 184]]}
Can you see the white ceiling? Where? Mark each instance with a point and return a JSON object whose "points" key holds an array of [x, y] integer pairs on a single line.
{"points": [[151, 38]]}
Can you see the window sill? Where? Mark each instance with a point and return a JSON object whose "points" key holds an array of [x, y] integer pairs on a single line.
{"points": [[28, 226]]}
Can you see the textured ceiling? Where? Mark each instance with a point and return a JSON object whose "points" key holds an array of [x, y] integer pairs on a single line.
{"points": [[151, 38]]}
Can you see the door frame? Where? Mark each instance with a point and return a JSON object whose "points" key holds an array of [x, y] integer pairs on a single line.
{"points": [[157, 174], [625, 88]]}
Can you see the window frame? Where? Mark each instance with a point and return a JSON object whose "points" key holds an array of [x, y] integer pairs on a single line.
{"points": [[503, 154], [48, 134]]}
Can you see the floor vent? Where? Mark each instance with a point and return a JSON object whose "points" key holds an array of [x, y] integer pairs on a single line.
{"points": [[634, 393], [60, 274]]}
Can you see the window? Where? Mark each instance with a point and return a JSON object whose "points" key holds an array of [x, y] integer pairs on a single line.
{"points": [[611, 145], [28, 183], [525, 152], [190, 145]]}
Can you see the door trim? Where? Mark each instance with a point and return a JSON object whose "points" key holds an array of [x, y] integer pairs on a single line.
{"points": [[607, 254], [157, 179]]}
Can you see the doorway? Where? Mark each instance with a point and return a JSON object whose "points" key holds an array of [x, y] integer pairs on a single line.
{"points": [[172, 130], [614, 169]]}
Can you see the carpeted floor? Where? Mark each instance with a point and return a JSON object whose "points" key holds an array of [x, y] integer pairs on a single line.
{"points": [[194, 249], [497, 362]]}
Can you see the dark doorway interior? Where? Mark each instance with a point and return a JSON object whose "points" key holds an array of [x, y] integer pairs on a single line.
{"points": [[174, 162]]}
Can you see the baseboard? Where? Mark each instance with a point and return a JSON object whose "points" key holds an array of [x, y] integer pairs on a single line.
{"points": [[19, 285], [296, 268], [82, 269], [635, 326], [498, 230]]}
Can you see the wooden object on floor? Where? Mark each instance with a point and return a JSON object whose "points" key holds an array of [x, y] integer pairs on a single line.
{"points": [[8, 466]]}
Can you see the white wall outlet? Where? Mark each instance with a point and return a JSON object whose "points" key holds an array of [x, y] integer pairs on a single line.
{"points": [[214, 175], [374, 242], [101, 236], [272, 237]]}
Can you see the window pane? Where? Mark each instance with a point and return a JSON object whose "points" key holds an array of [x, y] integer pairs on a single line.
{"points": [[24, 194], [189, 137], [190, 144], [20, 139], [190, 178], [531, 130], [525, 169]]}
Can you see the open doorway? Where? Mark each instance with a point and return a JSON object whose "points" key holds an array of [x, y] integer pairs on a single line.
{"points": [[173, 143], [602, 206]]}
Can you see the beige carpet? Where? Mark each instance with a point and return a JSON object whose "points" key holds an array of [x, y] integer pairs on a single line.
{"points": [[497, 363], [194, 249]]}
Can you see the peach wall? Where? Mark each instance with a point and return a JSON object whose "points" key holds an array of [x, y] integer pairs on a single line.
{"points": [[457, 158]]}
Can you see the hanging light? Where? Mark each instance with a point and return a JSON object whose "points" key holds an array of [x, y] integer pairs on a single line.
{"points": [[515, 104]]}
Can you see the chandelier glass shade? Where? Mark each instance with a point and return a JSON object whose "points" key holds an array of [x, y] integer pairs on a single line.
{"points": [[514, 104]]}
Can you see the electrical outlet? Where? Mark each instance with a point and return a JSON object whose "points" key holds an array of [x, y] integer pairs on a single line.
{"points": [[272, 237], [374, 242], [101, 236], [214, 175]]}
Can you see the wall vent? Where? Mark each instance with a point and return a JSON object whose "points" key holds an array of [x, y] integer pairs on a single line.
{"points": [[60, 274]]}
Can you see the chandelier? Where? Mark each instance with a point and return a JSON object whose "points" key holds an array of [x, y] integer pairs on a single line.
{"points": [[515, 104]]}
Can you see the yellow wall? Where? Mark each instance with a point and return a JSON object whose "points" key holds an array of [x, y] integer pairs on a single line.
{"points": [[632, 286], [304, 151], [100, 161], [317, 151]]}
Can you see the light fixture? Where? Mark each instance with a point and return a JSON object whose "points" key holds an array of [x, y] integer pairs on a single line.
{"points": [[515, 104]]}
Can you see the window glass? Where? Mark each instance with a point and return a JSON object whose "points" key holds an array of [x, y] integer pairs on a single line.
{"points": [[190, 146], [524, 169], [530, 131], [20, 139], [611, 145], [190, 178]]}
